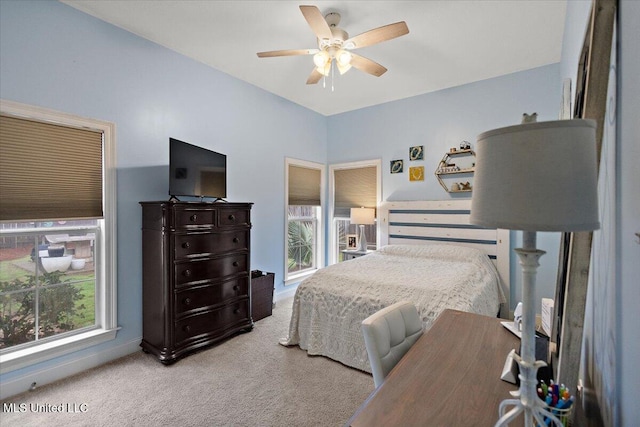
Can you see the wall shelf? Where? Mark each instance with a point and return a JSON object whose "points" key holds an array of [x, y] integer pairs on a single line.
{"points": [[447, 168]]}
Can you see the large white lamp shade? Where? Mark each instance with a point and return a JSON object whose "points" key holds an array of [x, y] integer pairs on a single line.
{"points": [[537, 177]]}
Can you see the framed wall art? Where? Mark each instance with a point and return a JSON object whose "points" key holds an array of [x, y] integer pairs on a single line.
{"points": [[416, 173], [397, 166], [416, 153]]}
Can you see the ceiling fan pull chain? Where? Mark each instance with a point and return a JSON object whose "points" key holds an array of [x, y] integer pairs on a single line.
{"points": [[333, 73]]}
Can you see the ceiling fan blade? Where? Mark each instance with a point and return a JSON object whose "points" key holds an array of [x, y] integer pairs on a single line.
{"points": [[316, 21], [378, 35], [287, 52], [367, 65], [314, 77]]}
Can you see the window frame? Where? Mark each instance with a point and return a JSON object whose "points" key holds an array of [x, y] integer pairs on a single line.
{"points": [[293, 278], [333, 235], [105, 251]]}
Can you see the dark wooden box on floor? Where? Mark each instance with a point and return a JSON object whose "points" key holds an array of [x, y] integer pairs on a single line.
{"points": [[261, 294]]}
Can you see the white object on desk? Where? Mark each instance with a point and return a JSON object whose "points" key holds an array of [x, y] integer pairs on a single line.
{"points": [[511, 327], [546, 315]]}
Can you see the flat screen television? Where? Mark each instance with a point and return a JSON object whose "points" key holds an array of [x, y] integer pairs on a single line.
{"points": [[195, 171]]}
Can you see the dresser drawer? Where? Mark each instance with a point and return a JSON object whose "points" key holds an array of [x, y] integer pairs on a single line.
{"points": [[233, 217], [200, 270], [195, 244], [185, 218], [198, 297], [211, 322]]}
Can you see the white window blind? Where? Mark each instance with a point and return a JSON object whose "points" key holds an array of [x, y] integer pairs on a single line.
{"points": [[49, 171], [304, 186], [354, 188]]}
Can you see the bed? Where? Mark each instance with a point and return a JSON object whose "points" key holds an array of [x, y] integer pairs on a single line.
{"points": [[429, 255]]}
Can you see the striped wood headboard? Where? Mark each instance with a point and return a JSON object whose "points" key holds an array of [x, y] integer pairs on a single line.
{"points": [[445, 222]]}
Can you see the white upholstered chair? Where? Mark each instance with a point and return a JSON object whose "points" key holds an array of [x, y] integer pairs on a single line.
{"points": [[388, 335]]}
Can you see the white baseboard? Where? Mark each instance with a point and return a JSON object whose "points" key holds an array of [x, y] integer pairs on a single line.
{"points": [[58, 372]]}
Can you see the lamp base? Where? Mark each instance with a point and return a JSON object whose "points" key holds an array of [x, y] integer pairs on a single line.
{"points": [[527, 400], [532, 407], [362, 240]]}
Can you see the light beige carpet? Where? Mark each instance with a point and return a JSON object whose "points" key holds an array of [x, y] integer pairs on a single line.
{"points": [[248, 380]]}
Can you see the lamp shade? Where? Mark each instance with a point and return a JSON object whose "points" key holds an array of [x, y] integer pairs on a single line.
{"points": [[363, 216], [537, 177]]}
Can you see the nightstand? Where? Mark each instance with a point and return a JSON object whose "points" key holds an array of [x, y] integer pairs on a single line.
{"points": [[351, 254]]}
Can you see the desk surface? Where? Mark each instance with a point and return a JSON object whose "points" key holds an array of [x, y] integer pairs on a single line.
{"points": [[450, 377]]}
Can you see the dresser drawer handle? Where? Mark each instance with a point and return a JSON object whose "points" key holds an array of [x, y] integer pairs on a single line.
{"points": [[236, 263], [236, 311], [186, 328], [236, 288], [236, 240], [187, 301], [186, 273], [232, 217], [186, 245], [193, 218]]}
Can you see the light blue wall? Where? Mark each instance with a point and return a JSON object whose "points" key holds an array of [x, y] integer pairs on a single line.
{"points": [[441, 120], [57, 57]]}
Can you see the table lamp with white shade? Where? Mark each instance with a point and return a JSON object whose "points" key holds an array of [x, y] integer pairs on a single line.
{"points": [[535, 177], [362, 217]]}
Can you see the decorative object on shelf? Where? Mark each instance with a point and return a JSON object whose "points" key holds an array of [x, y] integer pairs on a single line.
{"points": [[416, 173], [465, 145], [397, 166], [352, 241], [416, 153], [465, 187], [543, 195], [448, 167], [362, 216]]}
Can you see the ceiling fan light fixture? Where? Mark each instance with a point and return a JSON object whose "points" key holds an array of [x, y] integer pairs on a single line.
{"points": [[321, 59], [343, 57], [325, 70], [343, 68]]}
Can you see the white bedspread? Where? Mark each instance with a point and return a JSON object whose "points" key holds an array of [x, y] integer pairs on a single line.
{"points": [[329, 306]]}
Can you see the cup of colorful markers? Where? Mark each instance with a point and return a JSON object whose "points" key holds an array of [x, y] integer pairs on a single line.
{"points": [[558, 400]]}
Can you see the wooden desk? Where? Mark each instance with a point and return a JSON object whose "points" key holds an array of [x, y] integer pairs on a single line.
{"points": [[450, 377]]}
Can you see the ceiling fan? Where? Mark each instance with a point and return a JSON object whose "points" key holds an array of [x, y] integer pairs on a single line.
{"points": [[335, 47]]}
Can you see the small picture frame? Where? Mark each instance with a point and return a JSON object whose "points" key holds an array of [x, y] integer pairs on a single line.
{"points": [[416, 152], [397, 166], [352, 241], [416, 173]]}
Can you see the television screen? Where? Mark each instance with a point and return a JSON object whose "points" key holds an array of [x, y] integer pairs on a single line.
{"points": [[196, 171]]}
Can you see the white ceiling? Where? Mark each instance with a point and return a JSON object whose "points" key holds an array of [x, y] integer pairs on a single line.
{"points": [[449, 42]]}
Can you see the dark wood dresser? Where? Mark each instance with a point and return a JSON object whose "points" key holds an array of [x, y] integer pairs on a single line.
{"points": [[196, 275]]}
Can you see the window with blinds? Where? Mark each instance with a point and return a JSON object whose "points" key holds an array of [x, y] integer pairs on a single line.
{"points": [[304, 219], [58, 235], [354, 185], [304, 186], [49, 171], [354, 188]]}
